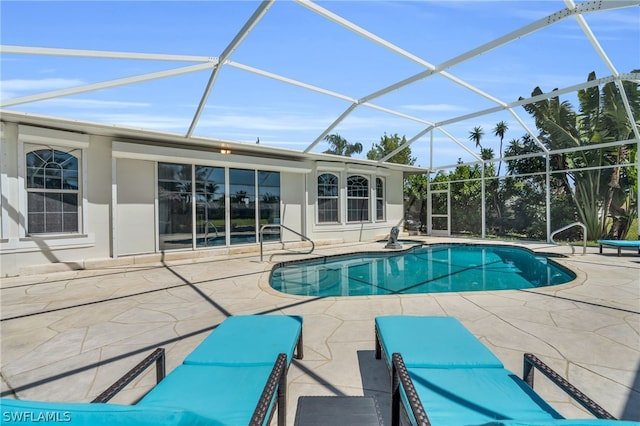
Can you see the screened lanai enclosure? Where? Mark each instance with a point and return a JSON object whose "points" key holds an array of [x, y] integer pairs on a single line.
{"points": [[512, 119]]}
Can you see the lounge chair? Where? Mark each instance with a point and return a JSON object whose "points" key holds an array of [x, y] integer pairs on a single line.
{"points": [[619, 244], [236, 376], [442, 375]]}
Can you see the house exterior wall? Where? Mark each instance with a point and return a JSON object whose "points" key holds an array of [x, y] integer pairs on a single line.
{"points": [[19, 251], [395, 200], [118, 206], [343, 229], [98, 195], [135, 233], [292, 204]]}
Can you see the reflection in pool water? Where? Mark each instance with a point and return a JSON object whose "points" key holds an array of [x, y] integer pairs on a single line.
{"points": [[421, 269]]}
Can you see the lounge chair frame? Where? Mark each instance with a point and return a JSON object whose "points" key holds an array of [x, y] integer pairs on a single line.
{"points": [[619, 244], [380, 349], [400, 377], [277, 382], [532, 362], [299, 354], [157, 357]]}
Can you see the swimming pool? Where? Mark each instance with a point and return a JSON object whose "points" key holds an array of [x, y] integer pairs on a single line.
{"points": [[421, 269]]}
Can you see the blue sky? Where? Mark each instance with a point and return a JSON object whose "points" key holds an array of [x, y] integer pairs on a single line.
{"points": [[296, 43]]}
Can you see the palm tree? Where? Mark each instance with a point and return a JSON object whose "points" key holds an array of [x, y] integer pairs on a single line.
{"points": [[618, 127], [500, 129], [340, 146], [388, 144], [597, 191], [486, 154], [476, 136]]}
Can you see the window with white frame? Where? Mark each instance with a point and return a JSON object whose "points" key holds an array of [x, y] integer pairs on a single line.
{"points": [[52, 182], [380, 199], [357, 198], [328, 194]]}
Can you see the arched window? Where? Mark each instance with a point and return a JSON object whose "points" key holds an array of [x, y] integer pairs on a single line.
{"points": [[379, 199], [328, 198], [357, 199], [53, 191]]}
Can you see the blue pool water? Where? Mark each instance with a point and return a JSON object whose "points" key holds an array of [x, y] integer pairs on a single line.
{"points": [[421, 269]]}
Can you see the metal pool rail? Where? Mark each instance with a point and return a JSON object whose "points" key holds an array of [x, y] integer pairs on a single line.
{"points": [[277, 225]]}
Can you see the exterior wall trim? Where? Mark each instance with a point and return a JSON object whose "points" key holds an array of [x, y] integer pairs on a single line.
{"points": [[195, 156]]}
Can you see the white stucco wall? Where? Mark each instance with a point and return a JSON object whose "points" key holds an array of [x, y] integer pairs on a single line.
{"points": [[98, 194], [9, 182], [292, 204], [19, 251], [354, 232], [135, 208], [118, 186]]}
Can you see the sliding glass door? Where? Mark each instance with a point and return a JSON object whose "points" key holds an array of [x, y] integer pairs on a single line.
{"points": [[242, 206], [198, 208], [269, 202], [210, 207], [175, 226]]}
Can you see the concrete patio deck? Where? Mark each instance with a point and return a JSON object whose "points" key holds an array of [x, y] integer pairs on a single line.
{"points": [[66, 336]]}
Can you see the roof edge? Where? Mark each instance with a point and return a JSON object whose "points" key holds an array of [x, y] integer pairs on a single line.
{"points": [[122, 132]]}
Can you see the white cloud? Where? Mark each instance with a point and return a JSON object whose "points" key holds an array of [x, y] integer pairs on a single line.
{"points": [[614, 21], [14, 88], [265, 122], [145, 121], [91, 103], [434, 107]]}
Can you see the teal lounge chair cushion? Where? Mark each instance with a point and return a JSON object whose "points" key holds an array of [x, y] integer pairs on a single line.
{"points": [[249, 340], [474, 396], [620, 243], [438, 342], [224, 394], [22, 412], [565, 422]]}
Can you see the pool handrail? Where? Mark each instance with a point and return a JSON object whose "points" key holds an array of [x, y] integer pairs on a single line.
{"points": [[571, 225], [278, 225]]}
